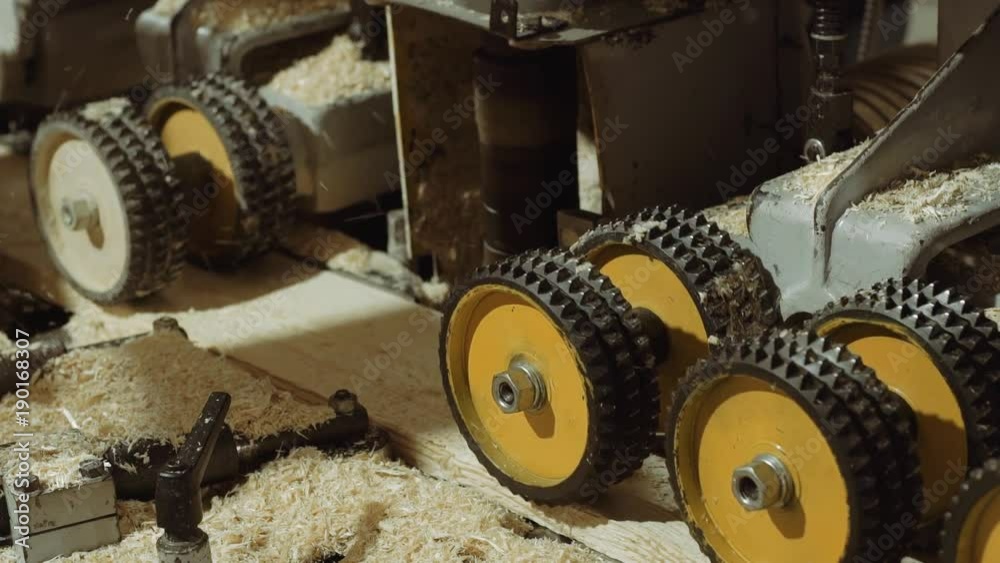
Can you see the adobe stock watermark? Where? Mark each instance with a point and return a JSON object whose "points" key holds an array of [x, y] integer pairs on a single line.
{"points": [[552, 189], [898, 16], [714, 28]]}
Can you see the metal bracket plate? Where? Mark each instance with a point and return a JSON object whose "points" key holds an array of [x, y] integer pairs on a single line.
{"points": [[822, 247]]}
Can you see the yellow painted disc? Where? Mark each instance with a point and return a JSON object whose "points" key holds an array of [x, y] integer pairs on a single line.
{"points": [[689, 274], [980, 539], [901, 360], [492, 325], [725, 424], [194, 143]]}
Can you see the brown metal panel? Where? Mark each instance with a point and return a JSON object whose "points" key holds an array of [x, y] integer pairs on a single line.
{"points": [[957, 19], [679, 105], [439, 145]]}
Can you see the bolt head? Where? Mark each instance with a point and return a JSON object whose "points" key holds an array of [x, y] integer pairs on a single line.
{"points": [[344, 402], [168, 324], [78, 213], [761, 484], [514, 391], [814, 150], [93, 469]]}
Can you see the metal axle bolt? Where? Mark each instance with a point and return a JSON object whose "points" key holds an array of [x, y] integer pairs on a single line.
{"points": [[763, 483], [519, 389], [168, 324], [78, 213], [93, 469], [344, 402]]}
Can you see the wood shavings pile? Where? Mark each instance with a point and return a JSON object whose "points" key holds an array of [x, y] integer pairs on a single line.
{"points": [[935, 195], [335, 73], [807, 182], [55, 457], [731, 216], [244, 15], [308, 506], [104, 109], [155, 387]]}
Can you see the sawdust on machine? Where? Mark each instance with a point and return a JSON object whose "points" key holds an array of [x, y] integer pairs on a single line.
{"points": [[308, 506], [155, 387], [245, 15], [55, 457], [936, 195], [591, 195], [335, 73], [807, 182], [731, 216]]}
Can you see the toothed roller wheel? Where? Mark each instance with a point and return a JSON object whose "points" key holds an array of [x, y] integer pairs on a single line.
{"points": [[971, 532], [690, 276], [233, 157], [24, 310], [543, 378], [107, 203], [940, 355], [775, 453]]}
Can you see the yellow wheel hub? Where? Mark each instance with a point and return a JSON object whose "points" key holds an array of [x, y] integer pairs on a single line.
{"points": [[980, 538], [492, 326], [650, 284], [729, 423], [910, 371], [187, 134]]}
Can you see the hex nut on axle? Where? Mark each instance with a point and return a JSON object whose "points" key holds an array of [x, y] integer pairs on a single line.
{"points": [[344, 403], [763, 483]]}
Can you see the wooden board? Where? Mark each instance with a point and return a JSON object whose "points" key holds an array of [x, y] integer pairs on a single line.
{"points": [[321, 331]]}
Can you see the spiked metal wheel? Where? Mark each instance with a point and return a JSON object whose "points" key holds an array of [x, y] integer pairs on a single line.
{"points": [[939, 354], [544, 379], [777, 452], [234, 160], [106, 202], [971, 532], [688, 273]]}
